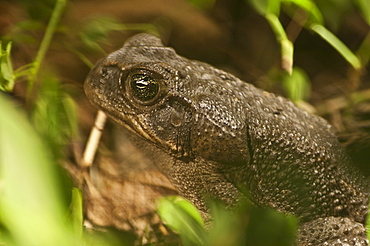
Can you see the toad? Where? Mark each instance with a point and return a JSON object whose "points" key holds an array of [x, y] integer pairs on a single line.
{"points": [[216, 135]]}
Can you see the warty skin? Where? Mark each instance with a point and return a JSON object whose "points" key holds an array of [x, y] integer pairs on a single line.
{"points": [[217, 135]]}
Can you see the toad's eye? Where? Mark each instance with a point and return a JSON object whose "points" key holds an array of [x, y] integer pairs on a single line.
{"points": [[144, 87]]}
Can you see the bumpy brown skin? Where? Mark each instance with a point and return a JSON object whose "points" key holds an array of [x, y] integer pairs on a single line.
{"points": [[220, 136]]}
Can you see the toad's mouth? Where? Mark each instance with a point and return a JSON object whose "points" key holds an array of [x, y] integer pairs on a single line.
{"points": [[132, 122]]}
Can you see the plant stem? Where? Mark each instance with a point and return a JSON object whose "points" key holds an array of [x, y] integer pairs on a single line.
{"points": [[337, 44], [286, 45], [50, 30]]}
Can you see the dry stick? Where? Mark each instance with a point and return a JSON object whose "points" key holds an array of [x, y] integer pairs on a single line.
{"points": [[94, 138]]}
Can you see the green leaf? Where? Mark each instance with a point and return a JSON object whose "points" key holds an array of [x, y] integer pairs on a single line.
{"points": [[364, 6], [338, 45], [297, 85], [265, 7], [76, 211], [250, 225], [180, 215], [363, 51], [54, 113], [31, 205], [95, 31], [314, 14], [7, 77]]}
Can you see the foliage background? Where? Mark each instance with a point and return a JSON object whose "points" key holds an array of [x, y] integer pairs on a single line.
{"points": [[316, 53]]}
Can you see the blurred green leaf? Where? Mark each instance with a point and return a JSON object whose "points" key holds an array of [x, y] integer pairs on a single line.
{"points": [[251, 226], [7, 77], [95, 31], [314, 14], [54, 113], [267, 227], [180, 215], [338, 45], [297, 85], [265, 7], [76, 212], [229, 227], [363, 51], [31, 208], [364, 6], [335, 12]]}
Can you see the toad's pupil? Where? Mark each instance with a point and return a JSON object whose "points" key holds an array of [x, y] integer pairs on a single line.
{"points": [[144, 87]]}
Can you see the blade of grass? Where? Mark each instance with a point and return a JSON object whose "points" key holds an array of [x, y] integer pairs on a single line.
{"points": [[50, 30], [364, 50], [338, 45]]}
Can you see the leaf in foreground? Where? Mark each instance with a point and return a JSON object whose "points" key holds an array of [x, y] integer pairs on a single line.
{"points": [[31, 205], [180, 215], [7, 76]]}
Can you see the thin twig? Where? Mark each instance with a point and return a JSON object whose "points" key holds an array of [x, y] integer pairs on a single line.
{"points": [[94, 138]]}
